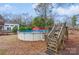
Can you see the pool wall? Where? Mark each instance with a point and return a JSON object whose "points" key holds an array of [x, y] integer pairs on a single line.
{"points": [[31, 36]]}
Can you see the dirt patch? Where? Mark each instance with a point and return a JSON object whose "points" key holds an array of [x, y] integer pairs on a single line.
{"points": [[72, 44], [14, 46], [11, 45]]}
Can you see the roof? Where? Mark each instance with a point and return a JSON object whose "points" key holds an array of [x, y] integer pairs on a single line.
{"points": [[10, 23]]}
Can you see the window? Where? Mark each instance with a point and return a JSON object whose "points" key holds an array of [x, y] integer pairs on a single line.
{"points": [[12, 25]]}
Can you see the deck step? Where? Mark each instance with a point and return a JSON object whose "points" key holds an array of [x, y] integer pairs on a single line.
{"points": [[52, 45], [52, 40], [50, 52], [52, 49]]}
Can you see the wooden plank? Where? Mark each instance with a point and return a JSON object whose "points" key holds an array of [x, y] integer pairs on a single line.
{"points": [[55, 50], [52, 45], [51, 52]]}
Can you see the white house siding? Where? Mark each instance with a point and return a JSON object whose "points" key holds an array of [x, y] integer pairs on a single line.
{"points": [[9, 27]]}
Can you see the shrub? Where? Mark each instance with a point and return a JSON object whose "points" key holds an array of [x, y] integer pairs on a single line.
{"points": [[22, 28], [15, 29]]}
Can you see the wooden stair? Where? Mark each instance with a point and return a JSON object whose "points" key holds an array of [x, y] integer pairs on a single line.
{"points": [[55, 38]]}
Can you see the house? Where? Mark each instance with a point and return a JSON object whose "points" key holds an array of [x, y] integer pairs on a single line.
{"points": [[9, 26]]}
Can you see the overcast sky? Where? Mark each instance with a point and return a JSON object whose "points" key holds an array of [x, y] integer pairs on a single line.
{"points": [[18, 8]]}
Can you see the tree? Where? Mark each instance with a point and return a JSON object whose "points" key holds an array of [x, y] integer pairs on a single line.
{"points": [[74, 19], [1, 22], [40, 22], [13, 18], [15, 29], [18, 19], [50, 23], [22, 19], [43, 9]]}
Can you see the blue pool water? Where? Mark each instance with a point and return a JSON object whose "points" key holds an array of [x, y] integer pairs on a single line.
{"points": [[43, 31]]}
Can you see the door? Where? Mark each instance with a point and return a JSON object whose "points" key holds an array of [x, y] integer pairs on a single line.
{"points": [[8, 29]]}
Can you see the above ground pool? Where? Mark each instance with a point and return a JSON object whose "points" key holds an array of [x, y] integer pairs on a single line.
{"points": [[43, 31], [32, 35]]}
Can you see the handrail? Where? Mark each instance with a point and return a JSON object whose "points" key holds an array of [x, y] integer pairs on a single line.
{"points": [[52, 30], [61, 30]]}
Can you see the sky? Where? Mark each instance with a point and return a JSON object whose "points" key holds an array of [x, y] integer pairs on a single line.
{"points": [[16, 8], [67, 9]]}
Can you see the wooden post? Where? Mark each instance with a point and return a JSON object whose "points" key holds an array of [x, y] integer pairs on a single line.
{"points": [[66, 33]]}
